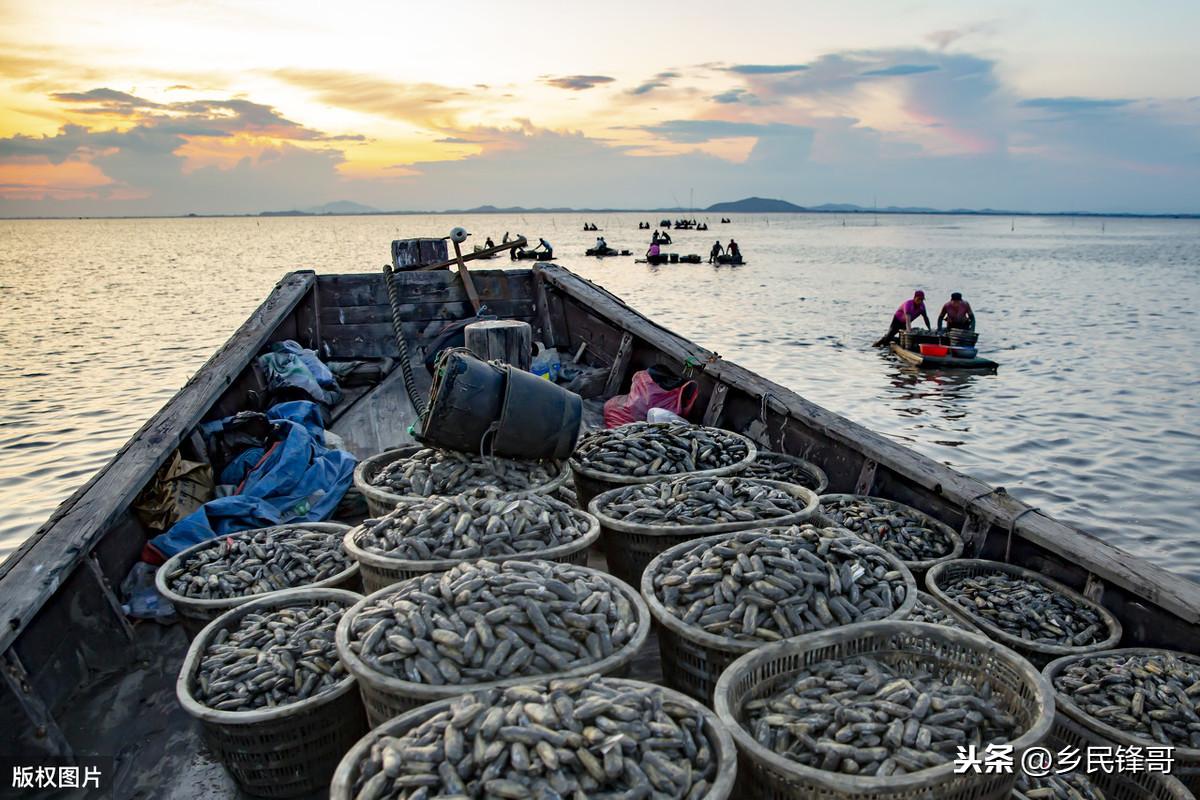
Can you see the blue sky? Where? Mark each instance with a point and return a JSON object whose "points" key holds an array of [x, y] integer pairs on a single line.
{"points": [[221, 107]]}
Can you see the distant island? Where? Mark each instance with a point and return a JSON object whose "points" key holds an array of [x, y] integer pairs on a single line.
{"points": [[747, 205]]}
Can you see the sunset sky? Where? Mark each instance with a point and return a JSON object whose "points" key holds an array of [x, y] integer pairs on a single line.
{"points": [[170, 107]]}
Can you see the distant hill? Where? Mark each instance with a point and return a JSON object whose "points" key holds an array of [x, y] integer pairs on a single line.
{"points": [[335, 208], [755, 205]]}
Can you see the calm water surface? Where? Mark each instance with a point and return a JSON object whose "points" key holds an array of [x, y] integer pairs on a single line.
{"points": [[1092, 416]]}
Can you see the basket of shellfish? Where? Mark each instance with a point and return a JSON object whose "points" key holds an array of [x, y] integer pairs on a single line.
{"points": [[1038, 617], [644, 452], [566, 737], [719, 597], [1069, 740], [787, 469], [209, 578], [879, 710], [389, 477], [483, 624], [1135, 698], [640, 521], [276, 706], [928, 609], [916, 538], [434, 534]]}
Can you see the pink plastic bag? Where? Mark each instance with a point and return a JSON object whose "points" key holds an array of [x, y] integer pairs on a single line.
{"points": [[645, 394]]}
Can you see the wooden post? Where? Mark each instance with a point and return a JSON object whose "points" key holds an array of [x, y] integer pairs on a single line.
{"points": [[507, 340], [465, 274], [616, 375], [716, 405]]}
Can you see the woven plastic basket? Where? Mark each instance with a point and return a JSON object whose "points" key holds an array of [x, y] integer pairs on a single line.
{"points": [[195, 613], [692, 658], [1040, 654], [1186, 760], [1115, 785], [379, 570], [629, 547], [785, 468], [719, 740], [919, 568], [589, 483], [380, 501], [1016, 685], [386, 696], [289, 750], [927, 603]]}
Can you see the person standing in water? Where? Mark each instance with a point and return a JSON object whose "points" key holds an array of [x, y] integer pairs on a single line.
{"points": [[957, 313], [908, 311], [715, 252]]}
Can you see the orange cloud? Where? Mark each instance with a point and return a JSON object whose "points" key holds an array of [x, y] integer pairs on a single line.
{"points": [[70, 180]]}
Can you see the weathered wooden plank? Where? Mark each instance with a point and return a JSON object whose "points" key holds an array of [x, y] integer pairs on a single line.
{"points": [[866, 477], [359, 315], [1174, 593], [416, 253], [545, 326], [442, 286], [716, 405], [379, 340], [620, 365], [43, 730], [42, 563], [110, 597]]}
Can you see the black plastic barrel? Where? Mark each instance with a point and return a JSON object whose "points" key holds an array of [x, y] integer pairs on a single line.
{"points": [[465, 400], [481, 407], [539, 418]]}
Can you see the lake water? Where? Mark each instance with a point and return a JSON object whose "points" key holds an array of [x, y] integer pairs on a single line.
{"points": [[1092, 416]]}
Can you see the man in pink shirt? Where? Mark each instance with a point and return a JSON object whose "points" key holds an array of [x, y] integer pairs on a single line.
{"points": [[904, 316]]}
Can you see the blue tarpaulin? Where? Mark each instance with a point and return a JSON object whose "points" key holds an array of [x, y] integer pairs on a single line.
{"points": [[290, 366], [297, 479]]}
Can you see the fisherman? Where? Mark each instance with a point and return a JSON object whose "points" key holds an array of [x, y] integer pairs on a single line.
{"points": [[734, 253], [715, 252], [505, 239], [489, 243], [544, 245], [654, 251], [665, 239], [957, 313], [601, 245], [908, 311]]}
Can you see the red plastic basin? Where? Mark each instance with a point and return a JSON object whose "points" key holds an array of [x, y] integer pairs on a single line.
{"points": [[934, 349]]}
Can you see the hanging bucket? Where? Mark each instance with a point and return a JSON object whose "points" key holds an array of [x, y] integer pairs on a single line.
{"points": [[464, 401], [539, 418]]}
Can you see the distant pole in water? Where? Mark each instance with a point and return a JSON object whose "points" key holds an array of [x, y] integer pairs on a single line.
{"points": [[1013, 227], [1102, 226]]}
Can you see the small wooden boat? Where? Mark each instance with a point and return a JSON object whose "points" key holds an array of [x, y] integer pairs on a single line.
{"points": [[606, 252], [481, 249], [942, 362], [79, 679], [733, 261], [532, 255]]}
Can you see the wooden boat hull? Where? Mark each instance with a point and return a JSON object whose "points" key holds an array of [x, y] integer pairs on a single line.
{"points": [[942, 362], [75, 671]]}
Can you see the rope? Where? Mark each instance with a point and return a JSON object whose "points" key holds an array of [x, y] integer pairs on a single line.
{"points": [[410, 384], [1012, 526]]}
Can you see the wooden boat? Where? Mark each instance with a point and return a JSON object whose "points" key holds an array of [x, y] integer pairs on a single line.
{"points": [[942, 362], [733, 261], [80, 679], [596, 252], [483, 252]]}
